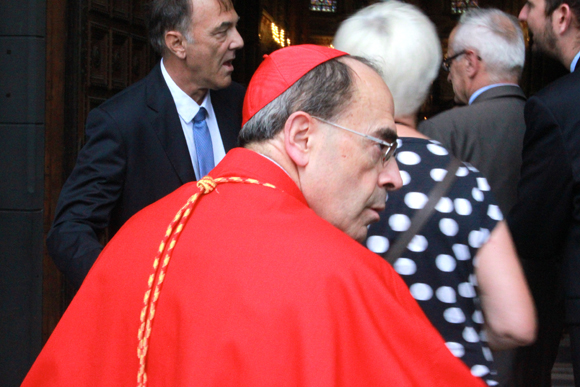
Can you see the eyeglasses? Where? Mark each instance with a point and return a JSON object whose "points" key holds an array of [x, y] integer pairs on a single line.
{"points": [[447, 61], [388, 148]]}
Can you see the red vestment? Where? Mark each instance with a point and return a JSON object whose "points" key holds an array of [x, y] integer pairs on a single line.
{"points": [[260, 291]]}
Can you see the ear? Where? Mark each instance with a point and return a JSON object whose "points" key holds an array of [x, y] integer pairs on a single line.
{"points": [[176, 43], [562, 18], [298, 132], [473, 66]]}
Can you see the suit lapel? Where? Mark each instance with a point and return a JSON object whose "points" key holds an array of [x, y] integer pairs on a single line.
{"points": [[167, 127]]}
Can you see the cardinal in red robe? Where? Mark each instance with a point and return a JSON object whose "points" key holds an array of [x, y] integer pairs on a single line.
{"points": [[240, 280]]}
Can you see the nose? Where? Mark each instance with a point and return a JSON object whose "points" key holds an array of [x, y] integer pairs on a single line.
{"points": [[390, 176], [523, 16], [237, 41]]}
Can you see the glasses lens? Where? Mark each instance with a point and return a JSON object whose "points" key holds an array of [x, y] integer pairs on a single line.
{"points": [[445, 65], [389, 153]]}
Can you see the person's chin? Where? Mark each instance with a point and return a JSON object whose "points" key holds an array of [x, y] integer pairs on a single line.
{"points": [[222, 83]]}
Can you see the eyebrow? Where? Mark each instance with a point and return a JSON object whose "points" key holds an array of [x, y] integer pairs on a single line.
{"points": [[385, 134], [227, 24]]}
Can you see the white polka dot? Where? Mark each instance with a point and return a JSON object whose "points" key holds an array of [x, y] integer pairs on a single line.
{"points": [[462, 206], [475, 239], [471, 167], [483, 336], [456, 348], [491, 383], [461, 171], [408, 158], [477, 317], [405, 177], [445, 263], [466, 290], [484, 235], [421, 292], [445, 205], [470, 335], [487, 354], [405, 266], [446, 294], [482, 184], [399, 222], [479, 370], [377, 244], [448, 227], [461, 252], [494, 212], [416, 200], [477, 194], [438, 174], [399, 143], [454, 315], [473, 279], [437, 150], [418, 244]]}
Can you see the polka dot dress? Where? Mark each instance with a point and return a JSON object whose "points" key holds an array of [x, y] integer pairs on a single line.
{"points": [[438, 264]]}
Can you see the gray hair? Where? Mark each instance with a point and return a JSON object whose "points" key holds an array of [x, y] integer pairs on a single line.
{"points": [[498, 39], [172, 15], [403, 42], [323, 92]]}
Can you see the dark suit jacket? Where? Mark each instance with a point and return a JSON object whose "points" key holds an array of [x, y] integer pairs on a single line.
{"points": [[135, 153], [545, 222], [487, 134]]}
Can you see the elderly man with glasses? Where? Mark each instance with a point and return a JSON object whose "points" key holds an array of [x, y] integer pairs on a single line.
{"points": [[253, 276], [485, 58]]}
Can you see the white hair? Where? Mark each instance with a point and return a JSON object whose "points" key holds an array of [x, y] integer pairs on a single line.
{"points": [[402, 42], [497, 38]]}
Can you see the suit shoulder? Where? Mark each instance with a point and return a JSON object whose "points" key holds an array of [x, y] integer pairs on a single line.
{"points": [[446, 120], [565, 87]]}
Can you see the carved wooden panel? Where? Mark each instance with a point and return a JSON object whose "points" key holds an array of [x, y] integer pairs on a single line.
{"points": [[121, 9], [98, 55], [139, 59], [138, 12], [120, 60], [99, 6]]}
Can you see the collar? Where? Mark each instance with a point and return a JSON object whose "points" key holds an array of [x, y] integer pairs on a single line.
{"points": [[574, 62], [245, 163], [486, 88], [187, 108]]}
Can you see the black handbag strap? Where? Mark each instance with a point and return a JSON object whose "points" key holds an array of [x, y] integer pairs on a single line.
{"points": [[422, 216]]}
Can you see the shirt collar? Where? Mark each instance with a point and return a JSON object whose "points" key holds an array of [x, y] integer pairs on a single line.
{"points": [[187, 108], [574, 62], [486, 88]]}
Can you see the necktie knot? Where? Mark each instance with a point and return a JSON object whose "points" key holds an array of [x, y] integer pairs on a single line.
{"points": [[200, 116]]}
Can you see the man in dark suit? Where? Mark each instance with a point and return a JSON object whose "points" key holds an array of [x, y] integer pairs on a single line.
{"points": [[545, 222], [485, 58], [167, 129]]}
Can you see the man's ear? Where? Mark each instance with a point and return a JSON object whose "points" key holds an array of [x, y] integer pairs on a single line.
{"points": [[176, 43], [298, 137], [473, 64], [562, 19]]}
